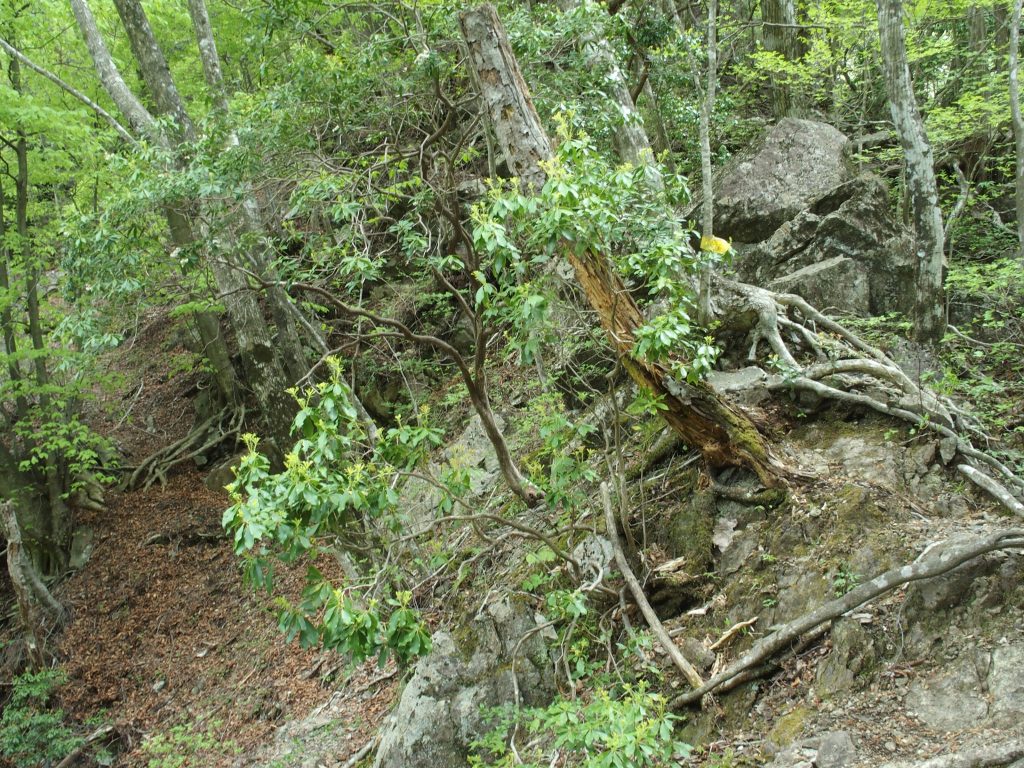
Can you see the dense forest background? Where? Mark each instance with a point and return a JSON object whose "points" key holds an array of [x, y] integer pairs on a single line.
{"points": [[360, 225]]}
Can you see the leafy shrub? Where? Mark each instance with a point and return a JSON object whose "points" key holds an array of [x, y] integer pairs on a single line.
{"points": [[332, 484], [633, 730], [32, 732]]}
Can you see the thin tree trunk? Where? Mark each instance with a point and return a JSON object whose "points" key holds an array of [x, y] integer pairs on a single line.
{"points": [[58, 519], [1018, 121], [7, 315], [707, 205], [631, 140], [215, 348], [283, 310], [929, 307], [779, 17], [208, 54], [725, 436]]}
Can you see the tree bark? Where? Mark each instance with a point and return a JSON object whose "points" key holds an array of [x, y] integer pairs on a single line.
{"points": [[261, 358], [208, 54], [1018, 122], [631, 140], [779, 18], [926, 219], [724, 435], [135, 113], [40, 612], [58, 519], [707, 204], [153, 66], [7, 315]]}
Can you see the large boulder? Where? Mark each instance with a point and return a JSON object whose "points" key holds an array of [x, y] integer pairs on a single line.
{"points": [[844, 251], [796, 164], [482, 666]]}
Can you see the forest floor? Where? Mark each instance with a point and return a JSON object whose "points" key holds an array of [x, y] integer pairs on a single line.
{"points": [[165, 638]]}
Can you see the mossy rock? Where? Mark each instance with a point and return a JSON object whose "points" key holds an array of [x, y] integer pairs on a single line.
{"points": [[688, 531], [788, 728]]}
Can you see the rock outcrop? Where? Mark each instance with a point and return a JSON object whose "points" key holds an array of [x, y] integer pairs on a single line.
{"points": [[801, 223], [498, 658]]}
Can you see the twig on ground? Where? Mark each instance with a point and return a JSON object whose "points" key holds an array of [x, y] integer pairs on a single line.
{"points": [[657, 628], [935, 561]]}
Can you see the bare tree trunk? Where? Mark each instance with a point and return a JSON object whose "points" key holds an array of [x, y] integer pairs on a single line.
{"points": [[631, 140], [707, 205], [215, 348], [261, 357], [779, 17], [7, 316], [283, 310], [725, 436], [929, 307], [1018, 122], [153, 66], [135, 113], [40, 612], [58, 518]]}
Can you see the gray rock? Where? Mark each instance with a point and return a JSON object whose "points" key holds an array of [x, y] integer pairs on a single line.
{"points": [[952, 701], [852, 651], [1006, 684], [851, 222], [796, 164], [442, 708], [748, 385], [835, 750], [223, 473], [471, 450], [838, 283]]}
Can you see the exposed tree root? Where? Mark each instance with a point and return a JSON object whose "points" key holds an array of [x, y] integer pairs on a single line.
{"points": [[40, 611], [848, 369], [934, 561], [201, 439]]}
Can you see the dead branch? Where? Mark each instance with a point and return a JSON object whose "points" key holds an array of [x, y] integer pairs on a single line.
{"points": [[992, 487], [657, 628], [100, 734], [935, 561]]}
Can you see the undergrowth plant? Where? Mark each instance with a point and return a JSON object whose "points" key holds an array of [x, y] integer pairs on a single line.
{"points": [[631, 728], [335, 496], [32, 732]]}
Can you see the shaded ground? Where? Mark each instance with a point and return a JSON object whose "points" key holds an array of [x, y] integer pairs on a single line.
{"points": [[165, 640]]}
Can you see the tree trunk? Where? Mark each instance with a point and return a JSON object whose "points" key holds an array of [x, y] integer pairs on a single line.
{"points": [[58, 519], [779, 18], [215, 348], [153, 66], [926, 219], [631, 140], [707, 205], [1018, 122], [40, 612], [725, 436], [260, 356], [135, 113], [7, 316]]}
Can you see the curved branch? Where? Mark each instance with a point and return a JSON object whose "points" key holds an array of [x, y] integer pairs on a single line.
{"points": [[111, 120]]}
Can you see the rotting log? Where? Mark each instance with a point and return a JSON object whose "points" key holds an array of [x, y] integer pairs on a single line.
{"points": [[724, 435]]}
